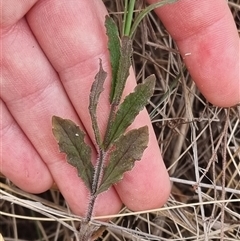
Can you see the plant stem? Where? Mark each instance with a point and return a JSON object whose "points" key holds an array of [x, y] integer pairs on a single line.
{"points": [[145, 12], [109, 124], [124, 17], [129, 17], [90, 208], [98, 172], [96, 182]]}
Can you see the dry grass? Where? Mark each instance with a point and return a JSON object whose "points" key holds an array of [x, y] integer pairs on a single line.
{"points": [[201, 148]]}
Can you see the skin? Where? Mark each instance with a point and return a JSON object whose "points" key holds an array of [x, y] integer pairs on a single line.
{"points": [[50, 55]]}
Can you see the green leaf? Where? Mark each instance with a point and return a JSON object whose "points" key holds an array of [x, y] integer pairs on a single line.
{"points": [[114, 47], [127, 149], [71, 141], [130, 108], [123, 69], [96, 89]]}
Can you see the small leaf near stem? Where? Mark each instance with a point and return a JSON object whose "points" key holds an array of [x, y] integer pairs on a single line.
{"points": [[96, 89], [71, 141], [123, 69], [114, 47], [127, 149], [129, 109]]}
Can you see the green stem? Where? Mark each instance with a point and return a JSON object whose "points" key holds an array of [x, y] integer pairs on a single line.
{"points": [[129, 17], [145, 11], [124, 17]]}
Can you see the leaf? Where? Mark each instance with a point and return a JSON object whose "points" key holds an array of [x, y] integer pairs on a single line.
{"points": [[114, 50], [123, 69], [96, 89], [71, 141], [130, 108], [127, 149]]}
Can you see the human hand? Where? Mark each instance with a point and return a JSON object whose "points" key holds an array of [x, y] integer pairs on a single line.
{"points": [[49, 61]]}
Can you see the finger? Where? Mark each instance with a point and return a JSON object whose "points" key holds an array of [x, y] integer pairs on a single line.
{"points": [[74, 49], [19, 160], [13, 10], [208, 41], [33, 94]]}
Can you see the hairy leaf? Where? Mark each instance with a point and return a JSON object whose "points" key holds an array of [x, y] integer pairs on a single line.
{"points": [[97, 88], [123, 69], [71, 141], [114, 50], [130, 108], [127, 149]]}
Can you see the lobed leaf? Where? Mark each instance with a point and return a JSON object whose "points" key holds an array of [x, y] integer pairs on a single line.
{"points": [[71, 141], [96, 89], [114, 47], [127, 149], [130, 108]]}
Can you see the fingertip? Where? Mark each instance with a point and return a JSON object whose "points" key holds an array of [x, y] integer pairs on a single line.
{"points": [[149, 202], [147, 185], [37, 186], [213, 62], [20, 162], [152, 193], [209, 44], [30, 180]]}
